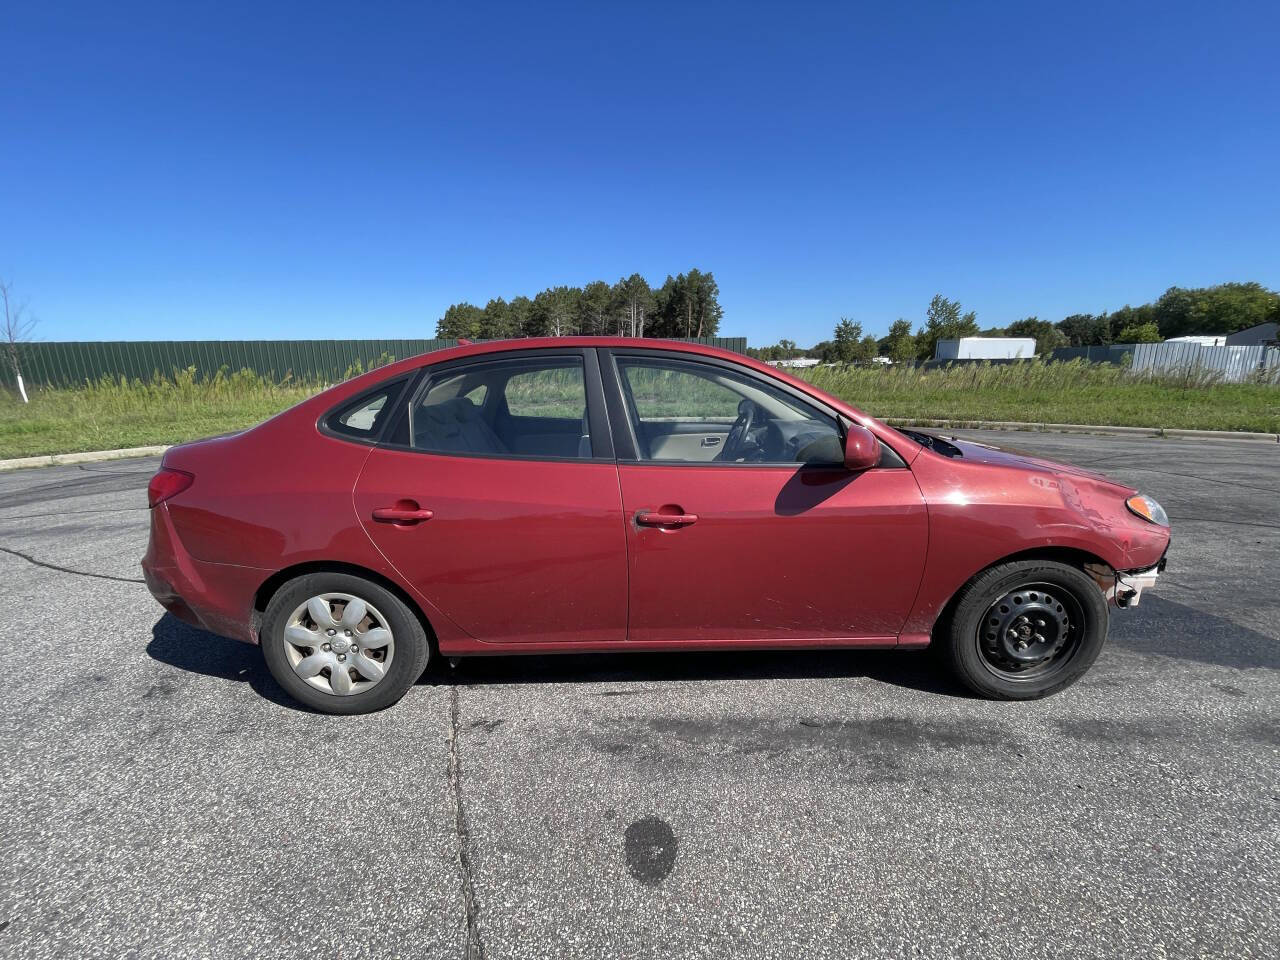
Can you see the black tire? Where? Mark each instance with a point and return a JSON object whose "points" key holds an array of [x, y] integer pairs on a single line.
{"points": [[1031, 648], [411, 646]]}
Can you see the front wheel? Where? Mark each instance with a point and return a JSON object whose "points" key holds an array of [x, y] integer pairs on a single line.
{"points": [[341, 644], [1026, 629]]}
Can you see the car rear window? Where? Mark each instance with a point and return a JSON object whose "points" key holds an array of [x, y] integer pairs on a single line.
{"points": [[364, 417]]}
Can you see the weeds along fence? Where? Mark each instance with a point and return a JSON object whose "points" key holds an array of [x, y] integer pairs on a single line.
{"points": [[1024, 379], [180, 394], [1028, 377], [72, 363]]}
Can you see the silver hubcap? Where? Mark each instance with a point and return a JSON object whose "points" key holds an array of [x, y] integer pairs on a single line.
{"points": [[338, 643]]}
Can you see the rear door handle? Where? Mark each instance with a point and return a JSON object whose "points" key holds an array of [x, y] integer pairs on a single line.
{"points": [[651, 518], [403, 514]]}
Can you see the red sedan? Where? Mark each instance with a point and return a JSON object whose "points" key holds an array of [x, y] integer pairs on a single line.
{"points": [[577, 494]]}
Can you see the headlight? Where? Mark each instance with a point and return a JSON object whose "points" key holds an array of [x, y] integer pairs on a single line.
{"points": [[1147, 509]]}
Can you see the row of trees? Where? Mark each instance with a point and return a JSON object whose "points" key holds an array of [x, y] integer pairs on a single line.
{"points": [[685, 306], [1221, 309], [1178, 312], [944, 320]]}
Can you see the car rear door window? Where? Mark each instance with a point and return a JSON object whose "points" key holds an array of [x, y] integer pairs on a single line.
{"points": [[505, 408]]}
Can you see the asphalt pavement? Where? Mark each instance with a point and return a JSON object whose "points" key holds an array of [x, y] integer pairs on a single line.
{"points": [[163, 798]]}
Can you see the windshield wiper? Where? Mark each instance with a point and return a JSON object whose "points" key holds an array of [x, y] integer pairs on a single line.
{"points": [[934, 443]]}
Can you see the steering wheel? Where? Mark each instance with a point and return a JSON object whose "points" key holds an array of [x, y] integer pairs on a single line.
{"points": [[735, 443]]}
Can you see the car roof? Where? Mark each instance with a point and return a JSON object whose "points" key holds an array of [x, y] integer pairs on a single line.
{"points": [[542, 343], [481, 348]]}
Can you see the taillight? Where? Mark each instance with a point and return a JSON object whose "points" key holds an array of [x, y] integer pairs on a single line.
{"points": [[167, 483]]}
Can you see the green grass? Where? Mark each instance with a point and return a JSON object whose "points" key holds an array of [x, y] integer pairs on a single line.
{"points": [[675, 394], [1073, 392], [108, 415], [111, 414]]}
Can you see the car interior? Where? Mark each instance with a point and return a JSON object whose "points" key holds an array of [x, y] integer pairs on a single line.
{"points": [[691, 412], [679, 412], [536, 409]]}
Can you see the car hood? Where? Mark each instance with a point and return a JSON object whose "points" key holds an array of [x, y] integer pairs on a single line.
{"points": [[1002, 456]]}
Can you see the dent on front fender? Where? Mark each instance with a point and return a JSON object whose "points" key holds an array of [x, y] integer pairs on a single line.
{"points": [[1137, 543], [981, 514]]}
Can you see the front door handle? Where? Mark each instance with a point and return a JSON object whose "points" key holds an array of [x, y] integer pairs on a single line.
{"points": [[405, 513], [652, 518]]}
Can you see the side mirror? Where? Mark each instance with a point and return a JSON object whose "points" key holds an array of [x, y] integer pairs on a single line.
{"points": [[861, 448]]}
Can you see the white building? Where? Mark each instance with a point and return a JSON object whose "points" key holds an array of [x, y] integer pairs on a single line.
{"points": [[1203, 341], [795, 363], [986, 348]]}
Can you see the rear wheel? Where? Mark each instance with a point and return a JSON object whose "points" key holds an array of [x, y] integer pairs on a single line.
{"points": [[1026, 629], [341, 644]]}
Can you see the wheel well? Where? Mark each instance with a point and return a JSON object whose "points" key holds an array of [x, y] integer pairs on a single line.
{"points": [[1068, 555], [278, 579]]}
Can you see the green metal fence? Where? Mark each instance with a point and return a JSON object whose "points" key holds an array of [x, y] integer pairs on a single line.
{"points": [[72, 363]]}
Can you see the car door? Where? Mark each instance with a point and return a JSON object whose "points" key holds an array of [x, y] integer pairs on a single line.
{"points": [[497, 497], [760, 534]]}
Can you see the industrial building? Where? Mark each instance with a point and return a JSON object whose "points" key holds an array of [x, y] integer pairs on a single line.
{"points": [[986, 348]]}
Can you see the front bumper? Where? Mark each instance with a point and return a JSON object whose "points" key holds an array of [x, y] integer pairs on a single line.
{"points": [[217, 597], [1124, 588]]}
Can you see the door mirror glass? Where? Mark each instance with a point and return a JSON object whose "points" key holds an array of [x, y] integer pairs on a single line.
{"points": [[861, 448]]}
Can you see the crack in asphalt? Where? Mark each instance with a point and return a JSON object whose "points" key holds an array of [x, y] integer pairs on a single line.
{"points": [[77, 573], [1238, 523], [65, 513], [474, 947], [1192, 476], [134, 461]]}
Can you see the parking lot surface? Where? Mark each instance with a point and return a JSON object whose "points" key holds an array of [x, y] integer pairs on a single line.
{"points": [[163, 798]]}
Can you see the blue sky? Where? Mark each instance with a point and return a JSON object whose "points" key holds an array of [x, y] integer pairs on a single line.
{"points": [[177, 170]]}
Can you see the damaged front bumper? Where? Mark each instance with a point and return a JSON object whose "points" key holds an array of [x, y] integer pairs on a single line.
{"points": [[1124, 587]]}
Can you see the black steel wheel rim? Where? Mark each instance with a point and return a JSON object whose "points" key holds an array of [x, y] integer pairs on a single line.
{"points": [[1030, 632]]}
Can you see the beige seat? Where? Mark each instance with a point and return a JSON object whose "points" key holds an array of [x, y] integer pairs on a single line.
{"points": [[455, 426]]}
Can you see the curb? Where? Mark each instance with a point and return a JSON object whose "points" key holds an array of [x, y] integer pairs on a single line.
{"points": [[1102, 429], [92, 456]]}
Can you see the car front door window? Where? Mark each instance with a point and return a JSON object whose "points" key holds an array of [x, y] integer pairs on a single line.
{"points": [[689, 412]]}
